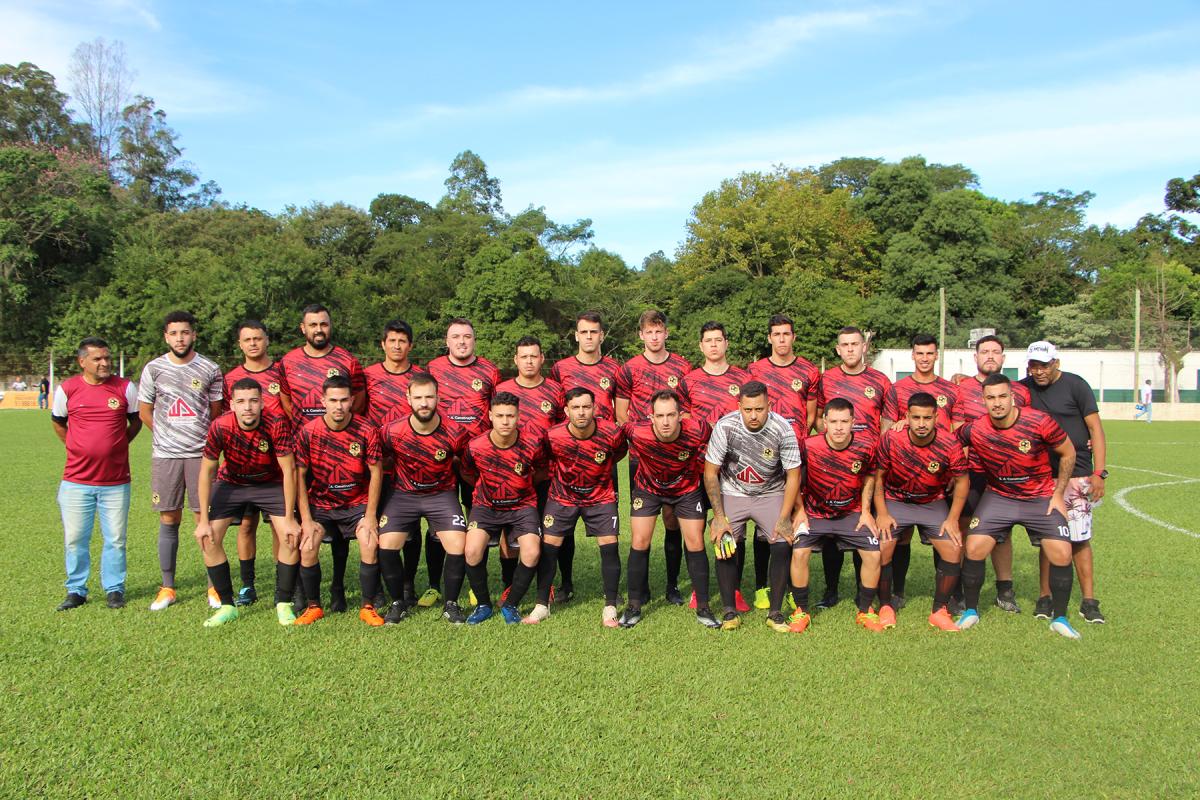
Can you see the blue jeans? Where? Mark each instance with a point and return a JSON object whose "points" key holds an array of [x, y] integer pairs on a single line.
{"points": [[80, 504]]}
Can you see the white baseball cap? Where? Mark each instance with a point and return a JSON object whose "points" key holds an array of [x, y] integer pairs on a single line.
{"points": [[1041, 351]]}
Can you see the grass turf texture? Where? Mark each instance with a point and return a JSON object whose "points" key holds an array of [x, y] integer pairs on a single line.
{"points": [[130, 703]]}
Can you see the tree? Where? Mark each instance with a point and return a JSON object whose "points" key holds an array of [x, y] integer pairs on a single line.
{"points": [[101, 80], [395, 212], [1183, 195], [851, 174], [151, 165], [470, 188], [1072, 325], [34, 111], [896, 194]]}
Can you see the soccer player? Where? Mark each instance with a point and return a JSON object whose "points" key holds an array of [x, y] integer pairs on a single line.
{"points": [[1013, 446], [752, 472], [466, 383], [669, 452], [1069, 399], [917, 462], [791, 381], [968, 407], [340, 478], [423, 447], [504, 463], [95, 416], [837, 488], [590, 369], [581, 452], [655, 369], [1147, 402], [179, 395], [258, 476], [276, 401]]}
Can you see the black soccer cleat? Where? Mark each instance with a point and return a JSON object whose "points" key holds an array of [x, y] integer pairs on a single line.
{"points": [[829, 600], [453, 614], [248, 596], [117, 600], [337, 599], [566, 593], [630, 616], [1090, 611], [673, 596], [704, 616], [380, 600], [72, 601], [397, 612], [1007, 601], [1043, 608]]}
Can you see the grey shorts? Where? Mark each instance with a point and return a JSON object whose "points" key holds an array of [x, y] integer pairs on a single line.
{"points": [[996, 515], [339, 521], [647, 504], [839, 530], [764, 510], [234, 501], [927, 518], [403, 511], [560, 520], [169, 477], [512, 523]]}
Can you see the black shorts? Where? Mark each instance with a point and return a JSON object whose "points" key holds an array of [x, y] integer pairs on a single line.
{"points": [[600, 520], [403, 511], [839, 530], [996, 515], [647, 504], [978, 484], [343, 521], [927, 518], [235, 501], [512, 523]]}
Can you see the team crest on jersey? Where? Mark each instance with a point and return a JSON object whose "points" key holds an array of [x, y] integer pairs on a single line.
{"points": [[154, 498], [933, 466], [942, 400], [605, 383], [546, 406], [273, 388], [547, 521], [637, 504], [329, 373], [440, 455], [869, 392], [600, 457], [263, 445], [974, 523], [355, 449], [684, 455], [1024, 446], [768, 454], [734, 389], [797, 385], [856, 467], [519, 468], [114, 403], [472, 525], [477, 385], [672, 381], [195, 383], [383, 520]]}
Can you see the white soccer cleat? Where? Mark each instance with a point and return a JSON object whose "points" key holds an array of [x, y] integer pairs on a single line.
{"points": [[539, 613]]}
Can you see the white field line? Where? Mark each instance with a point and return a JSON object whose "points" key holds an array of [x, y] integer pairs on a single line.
{"points": [[1128, 506], [1143, 444]]}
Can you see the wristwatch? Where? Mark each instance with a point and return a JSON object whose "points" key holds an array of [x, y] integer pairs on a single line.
{"points": [[1102, 474]]}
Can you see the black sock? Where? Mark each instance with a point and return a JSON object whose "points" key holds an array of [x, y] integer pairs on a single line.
{"points": [[508, 566], [522, 577], [857, 560], [566, 560], [310, 579], [285, 581], [727, 575], [610, 572], [456, 570], [392, 568], [885, 585], [1061, 579], [412, 561], [639, 565], [341, 554], [900, 560], [946, 578], [477, 575], [741, 561], [368, 581], [435, 559], [972, 581], [832, 560], [697, 567], [673, 551], [800, 597], [1003, 586], [246, 568], [781, 562], [223, 583], [547, 566], [865, 598], [762, 558]]}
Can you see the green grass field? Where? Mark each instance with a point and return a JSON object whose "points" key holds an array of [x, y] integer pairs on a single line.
{"points": [[102, 703]]}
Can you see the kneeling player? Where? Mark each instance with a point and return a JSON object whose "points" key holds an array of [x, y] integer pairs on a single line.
{"points": [[916, 464], [1013, 446], [837, 488], [502, 464], [582, 451], [258, 475]]}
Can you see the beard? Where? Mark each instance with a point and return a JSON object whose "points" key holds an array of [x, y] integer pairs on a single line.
{"points": [[318, 340]]}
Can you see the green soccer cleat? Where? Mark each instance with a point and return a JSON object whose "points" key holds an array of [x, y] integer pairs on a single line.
{"points": [[285, 613], [223, 615], [430, 598], [762, 598]]}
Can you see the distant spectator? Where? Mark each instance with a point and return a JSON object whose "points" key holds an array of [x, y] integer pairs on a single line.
{"points": [[19, 385], [1146, 406], [44, 393]]}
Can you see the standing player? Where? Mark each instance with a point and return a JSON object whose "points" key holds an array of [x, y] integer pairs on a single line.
{"points": [[504, 463], [590, 369], [423, 447], [581, 452], [792, 384], [179, 395], [94, 416], [917, 463], [654, 370], [1069, 399], [837, 488], [1147, 402], [1013, 446], [276, 401], [466, 383], [968, 407], [752, 472], [339, 477], [669, 452], [258, 475]]}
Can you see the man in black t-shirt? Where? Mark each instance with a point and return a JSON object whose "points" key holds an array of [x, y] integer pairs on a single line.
{"points": [[1070, 400]]}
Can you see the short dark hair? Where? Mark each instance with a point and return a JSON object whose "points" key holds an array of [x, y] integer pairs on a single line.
{"points": [[995, 379], [838, 404], [179, 316], [590, 316], [922, 400], [529, 341], [88, 343], [780, 319], [422, 379], [989, 338], [335, 382], [754, 389], [665, 394], [242, 384], [578, 391], [505, 399], [460, 321], [849, 329], [651, 316], [713, 325], [314, 308], [924, 339], [397, 326], [253, 325]]}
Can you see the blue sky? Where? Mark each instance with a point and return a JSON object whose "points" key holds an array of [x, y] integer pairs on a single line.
{"points": [[628, 113]]}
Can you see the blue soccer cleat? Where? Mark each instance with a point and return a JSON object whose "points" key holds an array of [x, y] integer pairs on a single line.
{"points": [[1063, 628], [511, 614], [480, 615], [968, 619]]}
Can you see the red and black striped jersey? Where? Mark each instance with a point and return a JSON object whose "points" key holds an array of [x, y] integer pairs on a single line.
{"points": [[250, 456], [639, 378], [581, 469], [505, 474], [271, 380], [711, 397], [306, 373], [833, 479], [388, 391], [789, 389], [1016, 460], [895, 404], [599, 378], [865, 391], [424, 462], [919, 473], [668, 469], [338, 461], [541, 405], [968, 407], [464, 392]]}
